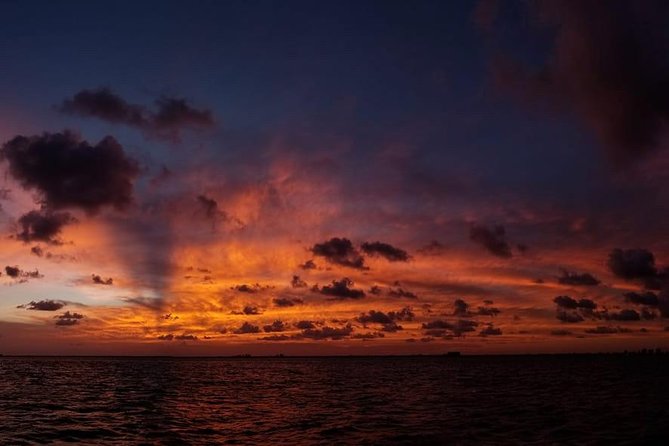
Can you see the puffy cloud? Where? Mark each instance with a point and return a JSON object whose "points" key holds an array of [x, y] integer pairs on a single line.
{"points": [[287, 302], [67, 318], [69, 172], [181, 337], [17, 273], [248, 310], [339, 251], [44, 305], [389, 252], [246, 328], [490, 330], [572, 278], [275, 326], [296, 282], [632, 263], [303, 325], [494, 240], [98, 280], [42, 226], [342, 289], [171, 116], [647, 298], [326, 332]]}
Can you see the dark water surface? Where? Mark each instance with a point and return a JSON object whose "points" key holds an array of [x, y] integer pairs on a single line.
{"points": [[410, 400]]}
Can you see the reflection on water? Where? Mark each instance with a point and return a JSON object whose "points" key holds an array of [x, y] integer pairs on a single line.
{"points": [[419, 400]]}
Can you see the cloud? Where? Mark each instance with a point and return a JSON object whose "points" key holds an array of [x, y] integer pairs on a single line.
{"points": [[309, 264], [400, 292], [608, 65], [304, 325], [440, 327], [342, 289], [326, 333], [246, 328], [623, 315], [646, 298], [339, 251], [490, 330], [181, 337], [560, 333], [494, 240], [100, 281], [434, 248], [68, 318], [68, 172], [569, 316], [170, 117], [44, 305], [296, 282], [570, 303], [275, 326], [572, 278], [389, 252], [248, 310], [17, 273], [287, 302], [632, 264], [605, 330], [43, 226], [460, 308]]}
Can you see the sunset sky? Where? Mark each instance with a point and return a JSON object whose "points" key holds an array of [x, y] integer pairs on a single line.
{"points": [[302, 177]]}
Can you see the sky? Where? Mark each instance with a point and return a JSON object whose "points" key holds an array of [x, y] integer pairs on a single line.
{"points": [[333, 178]]}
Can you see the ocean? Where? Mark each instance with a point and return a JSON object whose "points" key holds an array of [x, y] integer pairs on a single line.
{"points": [[477, 400]]}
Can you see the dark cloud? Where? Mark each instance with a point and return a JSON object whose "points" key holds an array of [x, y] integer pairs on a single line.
{"points": [[326, 333], [608, 65], [560, 333], [443, 327], [646, 298], [244, 288], [605, 330], [490, 330], [389, 252], [100, 281], [175, 114], [339, 251], [368, 336], [304, 325], [296, 282], [494, 240], [166, 337], [572, 278], [247, 328], [572, 304], [68, 318], [568, 316], [171, 116], [276, 338], [44, 305], [434, 248], [185, 337], [275, 326], [287, 302], [17, 273], [248, 310], [401, 293], [461, 308], [488, 311], [69, 172], [632, 264], [42, 226], [342, 289], [623, 315], [209, 205], [103, 104], [309, 264]]}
